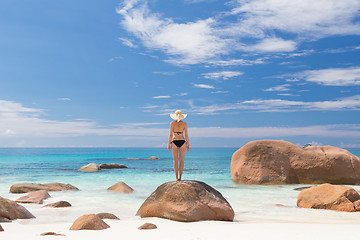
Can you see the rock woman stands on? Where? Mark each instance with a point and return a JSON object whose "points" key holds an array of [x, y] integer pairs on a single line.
{"points": [[177, 143]]}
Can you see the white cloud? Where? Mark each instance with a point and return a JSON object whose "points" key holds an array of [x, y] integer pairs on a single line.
{"points": [[237, 62], [185, 43], [64, 99], [127, 42], [181, 94], [204, 86], [307, 18], [333, 76], [246, 21], [222, 75], [22, 124], [220, 92], [162, 97], [280, 88], [272, 45], [280, 105]]}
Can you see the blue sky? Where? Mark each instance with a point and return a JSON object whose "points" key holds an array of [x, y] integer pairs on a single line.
{"points": [[108, 73]]}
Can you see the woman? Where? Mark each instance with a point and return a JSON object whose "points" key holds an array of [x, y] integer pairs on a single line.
{"points": [[177, 143]]}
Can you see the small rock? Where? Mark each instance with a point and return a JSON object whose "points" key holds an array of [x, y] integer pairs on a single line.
{"points": [[153, 157], [59, 204], [1, 229], [328, 196], [32, 187], [107, 216], [3, 219], [147, 226], [121, 187], [301, 188], [111, 165], [37, 197], [91, 167], [89, 222], [51, 234], [11, 210]]}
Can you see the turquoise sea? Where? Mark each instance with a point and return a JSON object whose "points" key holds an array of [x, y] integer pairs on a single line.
{"points": [[251, 203]]}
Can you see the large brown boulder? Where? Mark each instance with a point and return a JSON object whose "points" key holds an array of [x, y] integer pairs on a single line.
{"points": [[327, 196], [11, 210], [37, 197], [121, 187], [111, 165], [280, 162], [89, 222], [186, 201], [32, 187]]}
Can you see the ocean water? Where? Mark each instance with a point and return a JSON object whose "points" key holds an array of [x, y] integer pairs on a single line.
{"points": [[251, 203]]}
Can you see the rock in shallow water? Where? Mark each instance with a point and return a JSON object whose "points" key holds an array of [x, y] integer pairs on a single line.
{"points": [[59, 204], [147, 226], [37, 197], [51, 234], [91, 167], [328, 196], [1, 229], [280, 162], [111, 165], [121, 187], [32, 187], [89, 222], [186, 201], [11, 210]]}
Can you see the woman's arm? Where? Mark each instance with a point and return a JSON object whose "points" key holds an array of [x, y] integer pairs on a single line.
{"points": [[170, 136], [187, 137]]}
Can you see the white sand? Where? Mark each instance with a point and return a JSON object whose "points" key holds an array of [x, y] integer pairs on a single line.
{"points": [[171, 230]]}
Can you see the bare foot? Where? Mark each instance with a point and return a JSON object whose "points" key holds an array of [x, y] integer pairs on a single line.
{"points": [[178, 179]]}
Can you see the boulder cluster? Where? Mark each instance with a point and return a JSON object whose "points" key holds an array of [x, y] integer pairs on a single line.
{"points": [[280, 162]]}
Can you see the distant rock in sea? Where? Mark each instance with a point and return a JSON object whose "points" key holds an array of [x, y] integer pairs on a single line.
{"points": [[280, 162], [89, 222], [332, 197], [107, 216], [153, 157], [111, 165], [91, 167], [37, 197], [11, 210], [59, 204], [32, 187], [51, 234], [186, 201], [147, 226], [121, 187]]}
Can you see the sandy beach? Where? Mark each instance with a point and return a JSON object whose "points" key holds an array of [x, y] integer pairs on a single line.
{"points": [[206, 230]]}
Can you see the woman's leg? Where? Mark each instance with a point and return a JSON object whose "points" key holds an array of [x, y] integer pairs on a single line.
{"points": [[182, 151], [175, 153]]}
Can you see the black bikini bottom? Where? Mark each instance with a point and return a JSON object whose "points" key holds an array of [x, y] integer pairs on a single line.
{"points": [[179, 143]]}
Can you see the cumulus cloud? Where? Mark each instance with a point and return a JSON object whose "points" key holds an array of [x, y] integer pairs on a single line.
{"points": [[264, 22], [222, 75], [333, 76]]}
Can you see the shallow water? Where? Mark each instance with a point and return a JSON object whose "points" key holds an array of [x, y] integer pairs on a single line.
{"points": [[251, 203]]}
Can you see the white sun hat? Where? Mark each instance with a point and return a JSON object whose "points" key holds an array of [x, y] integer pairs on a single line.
{"points": [[178, 115]]}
